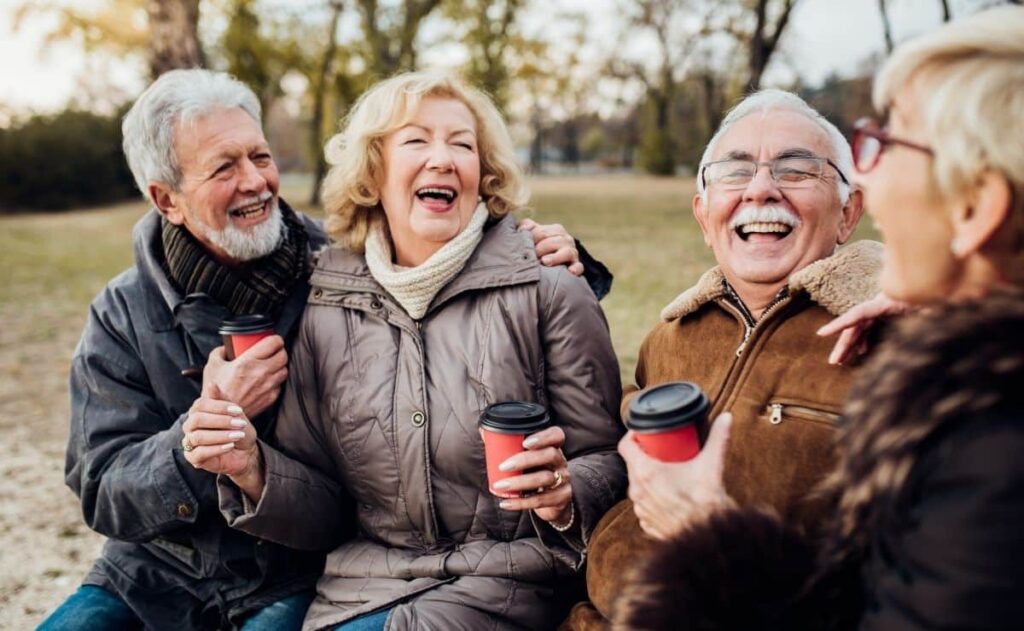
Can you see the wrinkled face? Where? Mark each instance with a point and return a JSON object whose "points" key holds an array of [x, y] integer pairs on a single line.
{"points": [[431, 178], [915, 224], [762, 233], [228, 193]]}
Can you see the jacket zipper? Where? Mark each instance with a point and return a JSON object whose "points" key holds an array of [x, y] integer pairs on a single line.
{"points": [[775, 411], [749, 333]]}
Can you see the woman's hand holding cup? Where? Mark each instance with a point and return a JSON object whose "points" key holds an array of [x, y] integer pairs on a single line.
{"points": [[544, 484], [219, 438]]}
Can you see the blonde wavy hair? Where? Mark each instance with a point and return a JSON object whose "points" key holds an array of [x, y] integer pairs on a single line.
{"points": [[969, 78], [351, 189]]}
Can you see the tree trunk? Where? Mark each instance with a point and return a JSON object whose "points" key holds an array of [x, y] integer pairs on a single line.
{"points": [[319, 97], [174, 35], [886, 26], [764, 41]]}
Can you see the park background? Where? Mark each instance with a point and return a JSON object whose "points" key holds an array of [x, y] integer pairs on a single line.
{"points": [[610, 103]]}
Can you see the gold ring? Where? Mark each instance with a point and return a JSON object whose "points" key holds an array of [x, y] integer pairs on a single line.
{"points": [[186, 443], [559, 481]]}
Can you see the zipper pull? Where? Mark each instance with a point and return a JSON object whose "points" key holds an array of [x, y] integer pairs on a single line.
{"points": [[747, 330], [776, 413]]}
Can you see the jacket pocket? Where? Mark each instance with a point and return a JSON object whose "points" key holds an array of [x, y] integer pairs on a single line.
{"points": [[779, 411]]}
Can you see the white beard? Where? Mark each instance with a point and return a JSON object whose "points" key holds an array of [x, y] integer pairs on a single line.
{"points": [[244, 245]]}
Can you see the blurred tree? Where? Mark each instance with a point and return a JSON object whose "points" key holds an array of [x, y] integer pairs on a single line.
{"points": [[62, 161], [487, 29], [886, 25], [676, 36], [117, 26], [321, 82], [250, 55], [771, 18], [165, 30], [173, 35], [390, 33]]}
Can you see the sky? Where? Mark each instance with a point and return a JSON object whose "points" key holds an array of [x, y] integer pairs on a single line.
{"points": [[824, 37]]}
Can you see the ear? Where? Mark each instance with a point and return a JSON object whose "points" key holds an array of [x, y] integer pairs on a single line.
{"points": [[168, 202], [700, 214], [850, 214], [985, 209]]}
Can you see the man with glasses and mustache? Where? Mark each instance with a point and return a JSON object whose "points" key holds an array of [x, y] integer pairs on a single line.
{"points": [[219, 243], [774, 203]]}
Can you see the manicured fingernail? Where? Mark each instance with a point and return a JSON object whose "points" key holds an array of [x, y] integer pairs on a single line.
{"points": [[227, 447], [239, 422], [236, 435], [234, 409], [502, 484], [504, 504], [529, 442], [508, 465]]}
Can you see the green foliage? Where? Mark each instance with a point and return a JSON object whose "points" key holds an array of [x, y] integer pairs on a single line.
{"points": [[657, 147], [56, 162]]}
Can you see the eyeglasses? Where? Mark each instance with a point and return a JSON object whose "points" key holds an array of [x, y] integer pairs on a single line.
{"points": [[794, 172], [870, 141]]}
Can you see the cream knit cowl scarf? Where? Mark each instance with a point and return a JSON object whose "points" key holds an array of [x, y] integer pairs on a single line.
{"points": [[415, 287]]}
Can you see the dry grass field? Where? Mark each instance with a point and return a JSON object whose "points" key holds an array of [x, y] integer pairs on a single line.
{"points": [[53, 264]]}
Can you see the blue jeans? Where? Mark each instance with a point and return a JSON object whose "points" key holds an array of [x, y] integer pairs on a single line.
{"points": [[283, 615], [93, 608], [369, 622]]}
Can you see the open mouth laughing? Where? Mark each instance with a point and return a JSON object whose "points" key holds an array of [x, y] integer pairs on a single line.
{"points": [[252, 209], [437, 198], [764, 224]]}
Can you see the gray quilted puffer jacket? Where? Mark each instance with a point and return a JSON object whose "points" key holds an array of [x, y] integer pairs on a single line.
{"points": [[378, 430]]}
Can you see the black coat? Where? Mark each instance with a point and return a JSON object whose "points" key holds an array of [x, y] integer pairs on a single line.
{"points": [[929, 498], [169, 554]]}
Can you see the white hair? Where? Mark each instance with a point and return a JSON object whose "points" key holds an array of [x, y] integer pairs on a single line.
{"points": [[176, 98], [764, 101], [968, 81]]}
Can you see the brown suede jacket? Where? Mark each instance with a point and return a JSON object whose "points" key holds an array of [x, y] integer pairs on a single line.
{"points": [[775, 379]]}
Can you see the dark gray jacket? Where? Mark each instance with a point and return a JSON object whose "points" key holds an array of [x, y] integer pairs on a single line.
{"points": [[380, 415], [170, 555]]}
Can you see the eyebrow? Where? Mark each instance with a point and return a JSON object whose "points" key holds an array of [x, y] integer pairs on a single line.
{"points": [[738, 154], [796, 152], [465, 130]]}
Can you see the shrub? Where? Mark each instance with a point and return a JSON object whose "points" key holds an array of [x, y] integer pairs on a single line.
{"points": [[55, 162]]}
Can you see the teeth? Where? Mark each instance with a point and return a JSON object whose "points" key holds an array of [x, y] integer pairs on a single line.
{"points": [[251, 209], [443, 192], [769, 227]]}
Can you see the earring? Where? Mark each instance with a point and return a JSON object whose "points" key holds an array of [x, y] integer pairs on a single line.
{"points": [[956, 246]]}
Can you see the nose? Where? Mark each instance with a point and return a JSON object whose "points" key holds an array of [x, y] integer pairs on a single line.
{"points": [[251, 179], [440, 158], [762, 188]]}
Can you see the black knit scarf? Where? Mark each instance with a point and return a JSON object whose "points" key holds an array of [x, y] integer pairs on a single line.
{"points": [[259, 286]]}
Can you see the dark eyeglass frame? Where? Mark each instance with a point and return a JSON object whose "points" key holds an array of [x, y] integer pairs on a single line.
{"points": [[868, 127], [768, 163]]}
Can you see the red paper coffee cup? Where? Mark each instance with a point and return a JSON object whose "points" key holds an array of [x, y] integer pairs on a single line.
{"points": [[241, 332], [668, 420], [503, 427]]}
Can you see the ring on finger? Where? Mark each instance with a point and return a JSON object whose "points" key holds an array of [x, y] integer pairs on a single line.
{"points": [[186, 442], [559, 481]]}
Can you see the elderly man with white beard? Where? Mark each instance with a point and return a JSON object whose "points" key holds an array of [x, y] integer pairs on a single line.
{"points": [[774, 203], [219, 242]]}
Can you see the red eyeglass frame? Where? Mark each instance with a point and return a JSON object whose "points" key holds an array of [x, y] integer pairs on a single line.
{"points": [[869, 128]]}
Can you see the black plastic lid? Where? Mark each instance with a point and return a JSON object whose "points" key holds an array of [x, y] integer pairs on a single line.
{"points": [[515, 417], [666, 406], [240, 325]]}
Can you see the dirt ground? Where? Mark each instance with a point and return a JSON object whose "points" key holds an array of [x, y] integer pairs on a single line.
{"points": [[46, 546]]}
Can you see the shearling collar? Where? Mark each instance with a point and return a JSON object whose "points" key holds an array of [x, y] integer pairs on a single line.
{"points": [[838, 282]]}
